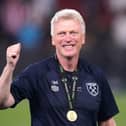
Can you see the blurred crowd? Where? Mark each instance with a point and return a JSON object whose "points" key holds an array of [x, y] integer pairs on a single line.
{"points": [[28, 22]]}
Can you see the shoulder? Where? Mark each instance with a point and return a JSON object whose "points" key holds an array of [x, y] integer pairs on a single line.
{"points": [[94, 70], [90, 68], [39, 66]]}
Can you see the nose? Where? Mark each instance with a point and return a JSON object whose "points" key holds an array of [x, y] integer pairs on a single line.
{"points": [[68, 37]]}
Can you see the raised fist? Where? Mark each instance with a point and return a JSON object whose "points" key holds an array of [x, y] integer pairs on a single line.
{"points": [[12, 54]]}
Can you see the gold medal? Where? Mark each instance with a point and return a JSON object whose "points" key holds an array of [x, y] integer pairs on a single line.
{"points": [[72, 115]]}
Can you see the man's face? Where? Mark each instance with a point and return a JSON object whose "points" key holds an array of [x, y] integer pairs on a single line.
{"points": [[68, 37]]}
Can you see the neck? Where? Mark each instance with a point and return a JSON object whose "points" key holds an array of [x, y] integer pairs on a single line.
{"points": [[68, 63]]}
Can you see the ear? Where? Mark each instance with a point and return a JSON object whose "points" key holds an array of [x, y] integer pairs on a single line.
{"points": [[83, 42], [83, 39], [53, 42]]}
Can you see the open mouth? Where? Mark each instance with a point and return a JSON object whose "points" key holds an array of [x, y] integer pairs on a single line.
{"points": [[68, 46]]}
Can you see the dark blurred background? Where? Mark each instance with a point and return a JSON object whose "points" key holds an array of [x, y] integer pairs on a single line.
{"points": [[28, 22]]}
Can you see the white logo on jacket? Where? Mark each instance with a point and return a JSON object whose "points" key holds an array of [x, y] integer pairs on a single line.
{"points": [[92, 88], [54, 86]]}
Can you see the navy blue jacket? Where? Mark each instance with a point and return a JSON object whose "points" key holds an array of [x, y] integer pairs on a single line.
{"points": [[40, 83]]}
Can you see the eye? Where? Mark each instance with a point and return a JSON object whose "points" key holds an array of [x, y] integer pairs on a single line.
{"points": [[73, 33], [61, 34]]}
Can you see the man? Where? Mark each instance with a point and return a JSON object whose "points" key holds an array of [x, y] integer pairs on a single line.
{"points": [[63, 90]]}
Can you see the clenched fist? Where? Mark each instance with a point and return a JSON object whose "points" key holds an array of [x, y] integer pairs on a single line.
{"points": [[12, 54]]}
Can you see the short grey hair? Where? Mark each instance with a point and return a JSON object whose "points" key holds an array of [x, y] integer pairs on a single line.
{"points": [[67, 14]]}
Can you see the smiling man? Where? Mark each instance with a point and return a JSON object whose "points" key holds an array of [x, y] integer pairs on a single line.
{"points": [[63, 90]]}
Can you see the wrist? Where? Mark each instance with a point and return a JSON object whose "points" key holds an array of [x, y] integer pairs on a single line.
{"points": [[9, 67]]}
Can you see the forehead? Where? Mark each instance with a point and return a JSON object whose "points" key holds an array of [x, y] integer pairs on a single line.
{"points": [[66, 19], [67, 24]]}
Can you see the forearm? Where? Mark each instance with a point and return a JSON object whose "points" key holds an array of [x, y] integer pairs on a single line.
{"points": [[109, 122], [12, 56], [5, 83]]}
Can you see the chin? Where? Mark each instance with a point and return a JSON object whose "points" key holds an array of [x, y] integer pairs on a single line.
{"points": [[69, 56]]}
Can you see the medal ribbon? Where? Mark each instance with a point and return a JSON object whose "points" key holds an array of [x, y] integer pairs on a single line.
{"points": [[72, 96]]}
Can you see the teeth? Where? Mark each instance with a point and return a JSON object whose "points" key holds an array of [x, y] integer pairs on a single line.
{"points": [[68, 47]]}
